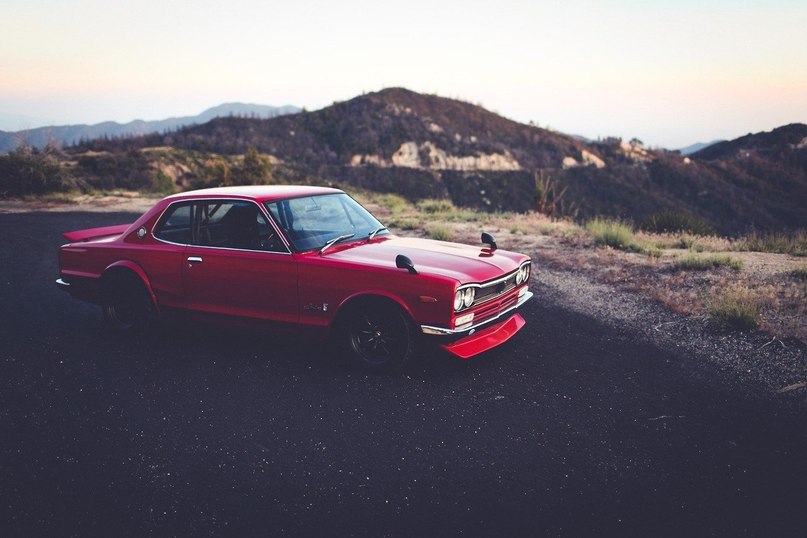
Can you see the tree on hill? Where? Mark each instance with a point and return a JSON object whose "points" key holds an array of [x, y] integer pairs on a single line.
{"points": [[256, 169], [29, 170]]}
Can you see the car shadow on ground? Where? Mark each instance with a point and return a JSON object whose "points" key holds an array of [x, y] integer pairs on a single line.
{"points": [[192, 343]]}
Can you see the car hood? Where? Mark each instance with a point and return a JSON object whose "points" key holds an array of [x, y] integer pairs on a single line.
{"points": [[463, 263]]}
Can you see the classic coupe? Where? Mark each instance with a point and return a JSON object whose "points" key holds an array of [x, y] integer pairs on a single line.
{"points": [[308, 257]]}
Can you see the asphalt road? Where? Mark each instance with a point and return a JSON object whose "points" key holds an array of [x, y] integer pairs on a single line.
{"points": [[570, 429]]}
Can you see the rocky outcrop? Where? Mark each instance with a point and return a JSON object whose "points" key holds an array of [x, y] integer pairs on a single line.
{"points": [[635, 152], [586, 159], [429, 156]]}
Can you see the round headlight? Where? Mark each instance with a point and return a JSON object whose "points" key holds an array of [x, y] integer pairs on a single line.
{"points": [[522, 275], [458, 300], [468, 297]]}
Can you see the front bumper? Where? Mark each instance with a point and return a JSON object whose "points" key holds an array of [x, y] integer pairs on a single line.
{"points": [[467, 331], [487, 338], [475, 339]]}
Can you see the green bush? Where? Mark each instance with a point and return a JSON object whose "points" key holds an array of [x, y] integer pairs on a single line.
{"points": [[676, 222], [393, 202], [613, 233], [736, 308], [439, 232], [435, 206], [702, 263], [646, 247], [162, 183]]}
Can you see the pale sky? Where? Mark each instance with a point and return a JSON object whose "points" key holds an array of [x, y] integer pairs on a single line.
{"points": [[668, 72]]}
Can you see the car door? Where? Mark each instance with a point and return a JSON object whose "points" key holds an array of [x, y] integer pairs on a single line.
{"points": [[163, 259], [238, 265]]}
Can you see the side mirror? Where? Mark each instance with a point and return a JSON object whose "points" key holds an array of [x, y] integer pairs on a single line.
{"points": [[403, 262], [488, 240]]}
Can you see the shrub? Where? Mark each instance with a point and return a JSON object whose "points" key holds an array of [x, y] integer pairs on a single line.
{"points": [[736, 308], [393, 202], [162, 183], [702, 263], [675, 221], [405, 223], [800, 273], [690, 243], [614, 233], [435, 206], [439, 232], [781, 243], [646, 247], [30, 171]]}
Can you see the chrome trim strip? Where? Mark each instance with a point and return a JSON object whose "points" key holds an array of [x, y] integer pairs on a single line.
{"points": [[490, 283], [442, 331], [494, 282]]}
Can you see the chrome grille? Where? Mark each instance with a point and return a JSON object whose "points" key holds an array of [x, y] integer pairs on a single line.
{"points": [[490, 290]]}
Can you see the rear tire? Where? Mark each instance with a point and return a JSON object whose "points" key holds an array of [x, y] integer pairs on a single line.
{"points": [[126, 307], [377, 336]]}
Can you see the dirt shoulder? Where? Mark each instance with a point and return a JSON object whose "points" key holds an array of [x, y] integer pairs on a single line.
{"points": [[122, 201]]}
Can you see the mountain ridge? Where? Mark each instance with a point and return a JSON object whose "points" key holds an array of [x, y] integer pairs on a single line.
{"points": [[427, 146], [65, 135]]}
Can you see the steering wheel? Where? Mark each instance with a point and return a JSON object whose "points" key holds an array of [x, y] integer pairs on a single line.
{"points": [[270, 242]]}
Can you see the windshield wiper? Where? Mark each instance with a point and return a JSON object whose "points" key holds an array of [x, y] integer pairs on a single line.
{"points": [[372, 234], [334, 240]]}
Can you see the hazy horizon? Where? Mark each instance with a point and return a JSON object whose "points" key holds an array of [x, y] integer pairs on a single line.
{"points": [[669, 73]]}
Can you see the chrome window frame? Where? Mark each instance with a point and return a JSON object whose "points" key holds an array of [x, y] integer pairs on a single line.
{"points": [[224, 199]]}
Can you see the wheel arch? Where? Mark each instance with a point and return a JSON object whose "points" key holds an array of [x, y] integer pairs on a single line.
{"points": [[351, 303], [129, 269]]}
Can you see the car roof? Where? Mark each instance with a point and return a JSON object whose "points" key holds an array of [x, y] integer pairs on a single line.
{"points": [[260, 193]]}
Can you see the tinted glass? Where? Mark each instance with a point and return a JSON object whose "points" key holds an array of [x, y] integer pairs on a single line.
{"points": [[175, 225], [236, 224], [312, 221]]}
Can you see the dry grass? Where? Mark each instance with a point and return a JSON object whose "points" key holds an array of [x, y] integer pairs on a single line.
{"points": [[737, 307], [686, 273], [794, 244]]}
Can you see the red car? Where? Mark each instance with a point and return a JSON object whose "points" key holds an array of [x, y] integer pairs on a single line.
{"points": [[304, 256]]}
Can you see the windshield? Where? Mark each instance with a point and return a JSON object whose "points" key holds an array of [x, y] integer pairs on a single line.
{"points": [[312, 221]]}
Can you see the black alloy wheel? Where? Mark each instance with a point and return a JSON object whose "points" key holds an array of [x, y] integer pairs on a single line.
{"points": [[380, 337], [127, 307]]}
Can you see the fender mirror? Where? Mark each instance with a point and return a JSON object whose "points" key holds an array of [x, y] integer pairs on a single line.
{"points": [[403, 262], [488, 240]]}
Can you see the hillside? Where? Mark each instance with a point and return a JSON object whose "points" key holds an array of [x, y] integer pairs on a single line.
{"points": [[424, 146], [65, 135]]}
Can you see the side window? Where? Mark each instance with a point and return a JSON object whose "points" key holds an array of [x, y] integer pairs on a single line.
{"points": [[236, 224], [175, 224]]}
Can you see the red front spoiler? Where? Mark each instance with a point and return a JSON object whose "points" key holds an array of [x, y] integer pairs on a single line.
{"points": [[485, 339]]}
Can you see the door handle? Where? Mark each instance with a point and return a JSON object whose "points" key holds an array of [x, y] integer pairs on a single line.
{"points": [[194, 259]]}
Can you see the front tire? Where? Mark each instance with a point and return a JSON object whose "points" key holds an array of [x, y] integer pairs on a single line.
{"points": [[378, 337], [126, 307]]}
